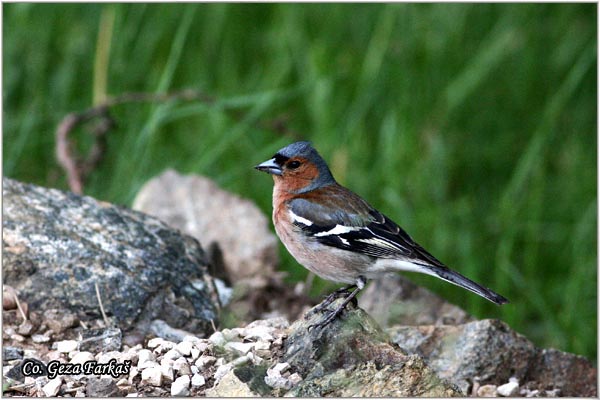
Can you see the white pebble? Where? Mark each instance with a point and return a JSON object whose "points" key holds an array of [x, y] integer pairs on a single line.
{"points": [[104, 358], [222, 371], [172, 354], [82, 357], [281, 367], [37, 338], [122, 382], [202, 346], [155, 342], [133, 373], [194, 353], [167, 372], [509, 389], [233, 334], [259, 332], [66, 346], [51, 388], [181, 366], [217, 338], [295, 378], [239, 346], [262, 345], [198, 380], [185, 348], [152, 376], [205, 361], [145, 358], [180, 386]]}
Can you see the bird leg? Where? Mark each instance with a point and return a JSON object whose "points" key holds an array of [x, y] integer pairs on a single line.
{"points": [[360, 284], [329, 299]]}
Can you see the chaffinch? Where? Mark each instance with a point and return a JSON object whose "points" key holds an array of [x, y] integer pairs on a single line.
{"points": [[340, 237]]}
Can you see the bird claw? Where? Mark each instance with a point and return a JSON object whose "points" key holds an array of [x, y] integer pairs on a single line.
{"points": [[327, 302]]}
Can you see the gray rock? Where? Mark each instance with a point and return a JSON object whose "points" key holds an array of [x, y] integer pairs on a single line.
{"points": [[11, 353], [163, 330], [352, 356], [490, 350], [102, 387], [572, 375], [197, 206], [395, 300], [16, 372], [231, 386], [100, 340], [58, 246]]}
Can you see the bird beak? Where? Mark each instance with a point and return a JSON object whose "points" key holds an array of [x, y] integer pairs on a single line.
{"points": [[270, 167]]}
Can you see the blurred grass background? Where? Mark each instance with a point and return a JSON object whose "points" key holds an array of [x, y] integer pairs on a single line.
{"points": [[471, 125]]}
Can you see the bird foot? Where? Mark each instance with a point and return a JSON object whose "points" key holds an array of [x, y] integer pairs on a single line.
{"points": [[328, 300], [350, 297]]}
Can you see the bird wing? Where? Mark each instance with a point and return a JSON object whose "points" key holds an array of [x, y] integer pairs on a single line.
{"points": [[342, 219]]}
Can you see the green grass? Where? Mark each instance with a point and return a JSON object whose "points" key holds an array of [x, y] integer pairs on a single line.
{"points": [[471, 125]]}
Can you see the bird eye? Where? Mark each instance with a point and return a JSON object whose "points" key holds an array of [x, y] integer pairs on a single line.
{"points": [[293, 164]]}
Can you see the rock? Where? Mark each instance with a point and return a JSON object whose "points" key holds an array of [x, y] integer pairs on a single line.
{"points": [[217, 338], [198, 381], [16, 337], [163, 330], [275, 380], [51, 388], [152, 376], [182, 366], [59, 246], [155, 342], [231, 386], [240, 347], [11, 353], [205, 361], [65, 346], [195, 205], [395, 300], [172, 355], [16, 372], [60, 320], [488, 349], [184, 348], [352, 356], [100, 340], [104, 358], [102, 387], [9, 294], [509, 389], [166, 368], [572, 375], [27, 328], [194, 353], [82, 357], [38, 338], [145, 359], [164, 347], [487, 391], [491, 350], [295, 379], [180, 386]]}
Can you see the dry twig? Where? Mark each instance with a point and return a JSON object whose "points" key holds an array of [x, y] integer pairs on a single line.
{"points": [[101, 306]]}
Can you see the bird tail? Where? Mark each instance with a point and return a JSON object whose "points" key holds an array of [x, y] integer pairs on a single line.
{"points": [[457, 279]]}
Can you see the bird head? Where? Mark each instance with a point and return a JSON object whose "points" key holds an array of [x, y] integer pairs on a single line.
{"points": [[299, 167]]}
